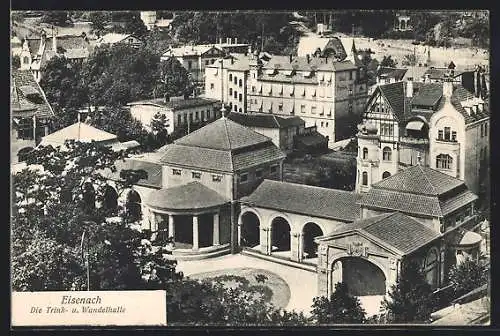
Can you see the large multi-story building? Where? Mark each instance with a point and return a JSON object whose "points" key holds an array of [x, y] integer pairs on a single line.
{"points": [[439, 125], [196, 58], [326, 93]]}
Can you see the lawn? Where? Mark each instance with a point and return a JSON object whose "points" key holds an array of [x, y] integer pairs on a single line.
{"points": [[277, 292]]}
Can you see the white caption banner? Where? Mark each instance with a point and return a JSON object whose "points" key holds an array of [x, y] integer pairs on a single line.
{"points": [[89, 308]]}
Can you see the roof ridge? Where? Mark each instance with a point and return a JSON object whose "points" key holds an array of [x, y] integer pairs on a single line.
{"points": [[380, 217], [310, 186], [427, 178]]}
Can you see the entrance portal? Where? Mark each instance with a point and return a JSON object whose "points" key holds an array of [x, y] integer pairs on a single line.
{"points": [[184, 232], [206, 230], [361, 276]]}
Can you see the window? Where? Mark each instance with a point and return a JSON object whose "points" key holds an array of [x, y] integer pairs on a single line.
{"points": [[258, 173], [350, 89], [444, 161], [230, 77], [313, 109], [197, 114], [454, 136], [196, 175], [486, 129], [240, 83], [190, 117], [26, 60], [230, 91], [235, 94], [365, 153], [212, 61], [244, 177], [190, 64], [216, 178], [350, 75], [212, 86], [202, 114], [326, 124], [179, 119], [253, 88], [280, 107], [365, 178], [482, 130], [239, 110], [208, 114], [235, 108], [274, 169], [321, 124], [176, 172], [387, 154], [440, 135], [240, 97], [302, 108], [386, 174], [207, 62], [235, 80], [447, 133]]}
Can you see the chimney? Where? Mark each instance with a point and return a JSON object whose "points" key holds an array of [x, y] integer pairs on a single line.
{"points": [[228, 40], [409, 88], [235, 40], [447, 87], [220, 40]]}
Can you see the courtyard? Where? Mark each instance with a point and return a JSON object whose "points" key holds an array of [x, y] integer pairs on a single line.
{"points": [[300, 286]]}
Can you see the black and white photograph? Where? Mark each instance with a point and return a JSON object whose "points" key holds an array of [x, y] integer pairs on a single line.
{"points": [[260, 168]]}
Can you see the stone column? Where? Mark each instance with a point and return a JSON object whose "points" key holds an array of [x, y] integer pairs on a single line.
{"points": [[171, 226], [152, 221], [216, 229], [195, 233], [336, 274], [46, 129], [442, 255], [265, 241], [295, 248], [240, 224]]}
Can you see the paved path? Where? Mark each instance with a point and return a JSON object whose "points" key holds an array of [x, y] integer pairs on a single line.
{"points": [[303, 284]]}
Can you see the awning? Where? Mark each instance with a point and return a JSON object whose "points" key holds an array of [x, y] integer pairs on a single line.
{"points": [[415, 125], [469, 239]]}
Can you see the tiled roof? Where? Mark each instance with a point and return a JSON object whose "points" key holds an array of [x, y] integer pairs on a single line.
{"points": [[223, 134], [112, 38], [312, 139], [252, 157], [303, 199], [264, 120], [396, 230], [196, 157], [176, 104], [387, 72], [438, 73], [309, 45], [394, 93], [191, 50], [420, 180], [457, 201], [315, 63], [401, 201], [153, 170], [428, 95], [78, 131], [191, 196], [76, 53], [20, 101], [296, 78]]}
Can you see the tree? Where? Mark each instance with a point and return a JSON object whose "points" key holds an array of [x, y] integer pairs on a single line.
{"points": [[158, 41], [410, 299], [118, 121], [174, 79], [340, 308], [57, 18], [387, 61], [99, 20], [159, 129], [469, 275]]}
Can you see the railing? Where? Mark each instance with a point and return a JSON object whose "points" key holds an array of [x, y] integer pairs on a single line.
{"points": [[411, 140]]}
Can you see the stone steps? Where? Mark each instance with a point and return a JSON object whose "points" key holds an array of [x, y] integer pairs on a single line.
{"points": [[306, 267], [203, 253]]}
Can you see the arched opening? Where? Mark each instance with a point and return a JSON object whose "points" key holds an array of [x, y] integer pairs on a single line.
{"points": [[431, 268], [250, 230], [280, 235], [365, 178], [110, 199], [310, 248], [363, 278], [386, 174], [387, 154], [365, 153], [88, 193], [133, 206], [26, 60]]}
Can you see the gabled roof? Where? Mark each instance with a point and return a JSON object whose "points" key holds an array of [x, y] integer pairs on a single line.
{"points": [[194, 50], [191, 196], [176, 104], [112, 38], [419, 190], [223, 134], [304, 199], [388, 72], [80, 132], [23, 86], [264, 120], [394, 230], [394, 94]]}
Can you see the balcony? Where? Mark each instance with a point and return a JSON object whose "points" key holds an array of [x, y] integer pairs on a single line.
{"points": [[414, 141]]}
